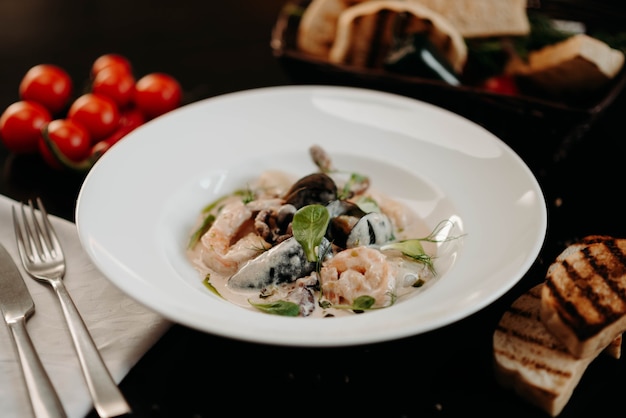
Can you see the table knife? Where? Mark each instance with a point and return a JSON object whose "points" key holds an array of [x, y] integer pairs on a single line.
{"points": [[17, 306]]}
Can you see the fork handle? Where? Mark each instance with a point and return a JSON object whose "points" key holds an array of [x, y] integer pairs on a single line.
{"points": [[107, 398], [43, 397]]}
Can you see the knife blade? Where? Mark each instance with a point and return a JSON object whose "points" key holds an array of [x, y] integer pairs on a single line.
{"points": [[17, 306], [15, 300]]}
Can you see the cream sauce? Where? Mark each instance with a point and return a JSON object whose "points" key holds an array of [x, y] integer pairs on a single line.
{"points": [[272, 184]]}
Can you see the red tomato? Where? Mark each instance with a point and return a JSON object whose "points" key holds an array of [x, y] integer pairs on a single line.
{"points": [[156, 94], [115, 84], [99, 114], [21, 124], [71, 139], [48, 85], [129, 121], [116, 61], [502, 84]]}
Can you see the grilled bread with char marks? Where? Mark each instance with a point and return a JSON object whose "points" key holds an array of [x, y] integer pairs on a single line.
{"points": [[583, 300], [532, 361], [366, 32], [472, 18]]}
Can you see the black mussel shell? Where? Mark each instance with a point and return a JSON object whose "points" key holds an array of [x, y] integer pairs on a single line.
{"points": [[316, 188]]}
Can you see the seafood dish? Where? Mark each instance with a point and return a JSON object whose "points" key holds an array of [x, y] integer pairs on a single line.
{"points": [[325, 244]]}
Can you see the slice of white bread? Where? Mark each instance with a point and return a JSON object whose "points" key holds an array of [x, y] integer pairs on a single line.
{"points": [[318, 25], [534, 363], [583, 301], [576, 66], [483, 18], [366, 30]]}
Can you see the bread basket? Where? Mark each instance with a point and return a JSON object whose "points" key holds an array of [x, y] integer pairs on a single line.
{"points": [[541, 131]]}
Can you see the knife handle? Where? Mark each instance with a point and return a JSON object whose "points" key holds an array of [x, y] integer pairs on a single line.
{"points": [[43, 397]]}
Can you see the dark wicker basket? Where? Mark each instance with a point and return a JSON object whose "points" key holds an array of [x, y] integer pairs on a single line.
{"points": [[540, 131]]}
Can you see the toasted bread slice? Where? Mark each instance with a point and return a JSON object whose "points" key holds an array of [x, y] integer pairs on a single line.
{"points": [[318, 25], [471, 18], [583, 302], [532, 361], [366, 31], [614, 349], [483, 18], [577, 66]]}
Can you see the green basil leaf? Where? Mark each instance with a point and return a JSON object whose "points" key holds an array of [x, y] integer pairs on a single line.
{"points": [[363, 303], [280, 307], [309, 227]]}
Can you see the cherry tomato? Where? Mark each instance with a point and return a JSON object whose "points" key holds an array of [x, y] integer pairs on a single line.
{"points": [[99, 114], [156, 94], [116, 61], [21, 124], [114, 84], [48, 85], [71, 139], [502, 84], [129, 120]]}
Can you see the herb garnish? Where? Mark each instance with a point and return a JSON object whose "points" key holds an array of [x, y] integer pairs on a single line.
{"points": [[209, 286], [247, 196], [309, 227], [279, 307], [413, 248], [358, 305], [349, 188]]}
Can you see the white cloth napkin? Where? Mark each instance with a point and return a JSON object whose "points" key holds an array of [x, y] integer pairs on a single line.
{"points": [[122, 329]]}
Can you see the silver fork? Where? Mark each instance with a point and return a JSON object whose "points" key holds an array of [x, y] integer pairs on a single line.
{"points": [[43, 259]]}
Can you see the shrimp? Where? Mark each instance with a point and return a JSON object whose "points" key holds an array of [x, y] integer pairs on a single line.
{"points": [[271, 183], [231, 240], [359, 271]]}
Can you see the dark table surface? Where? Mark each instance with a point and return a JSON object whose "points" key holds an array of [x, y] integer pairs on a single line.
{"points": [[214, 48]]}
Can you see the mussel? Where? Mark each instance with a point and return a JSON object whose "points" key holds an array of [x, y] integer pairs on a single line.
{"points": [[316, 188], [351, 227]]}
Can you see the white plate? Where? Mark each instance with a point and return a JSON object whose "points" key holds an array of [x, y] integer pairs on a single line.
{"points": [[138, 204]]}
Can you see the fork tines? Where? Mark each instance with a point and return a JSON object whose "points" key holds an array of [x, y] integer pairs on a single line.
{"points": [[36, 238]]}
